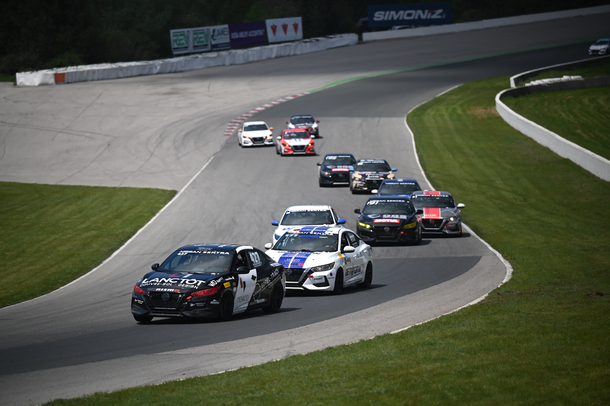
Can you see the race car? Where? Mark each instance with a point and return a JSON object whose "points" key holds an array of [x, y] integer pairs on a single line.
{"points": [[253, 133], [323, 259], [209, 280], [440, 213], [369, 173], [305, 121], [295, 142], [397, 187], [306, 215], [600, 47], [336, 169], [389, 219]]}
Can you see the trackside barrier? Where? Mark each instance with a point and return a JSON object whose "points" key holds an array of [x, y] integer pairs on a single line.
{"points": [[85, 73], [479, 25], [597, 165]]}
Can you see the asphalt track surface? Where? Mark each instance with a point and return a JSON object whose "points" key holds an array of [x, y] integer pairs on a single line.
{"points": [[166, 131]]}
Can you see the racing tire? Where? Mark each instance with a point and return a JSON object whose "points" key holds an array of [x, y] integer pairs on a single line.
{"points": [[275, 300], [142, 319], [225, 308], [338, 288], [368, 277]]}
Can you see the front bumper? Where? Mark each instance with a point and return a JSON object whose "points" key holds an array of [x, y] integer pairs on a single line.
{"points": [[301, 279], [257, 141], [388, 233], [335, 178], [365, 185], [145, 305], [441, 226]]}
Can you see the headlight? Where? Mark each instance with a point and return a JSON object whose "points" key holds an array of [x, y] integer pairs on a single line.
{"points": [[357, 175], [325, 173], [322, 268], [409, 225], [451, 218], [364, 225], [391, 176]]}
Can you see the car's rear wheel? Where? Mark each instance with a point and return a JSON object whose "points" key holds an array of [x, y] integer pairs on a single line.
{"points": [[276, 299], [368, 277], [338, 288], [225, 308], [142, 319]]}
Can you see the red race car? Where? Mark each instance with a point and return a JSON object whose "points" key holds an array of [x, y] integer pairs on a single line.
{"points": [[295, 141]]}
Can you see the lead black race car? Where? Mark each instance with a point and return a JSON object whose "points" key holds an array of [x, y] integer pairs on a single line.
{"points": [[209, 280]]}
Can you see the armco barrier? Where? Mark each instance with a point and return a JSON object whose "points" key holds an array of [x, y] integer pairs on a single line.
{"points": [[594, 163], [180, 64], [522, 77], [478, 25]]}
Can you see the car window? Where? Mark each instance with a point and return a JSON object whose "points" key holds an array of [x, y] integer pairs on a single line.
{"points": [[398, 188], [373, 167], [344, 241], [307, 217], [353, 240], [437, 201], [390, 206], [307, 242], [241, 259]]}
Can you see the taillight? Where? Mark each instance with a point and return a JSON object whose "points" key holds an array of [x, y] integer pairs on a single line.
{"points": [[138, 290], [205, 292]]}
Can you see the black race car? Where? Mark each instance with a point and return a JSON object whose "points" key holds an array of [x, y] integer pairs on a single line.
{"points": [[389, 219], [336, 169], [369, 173], [209, 280]]}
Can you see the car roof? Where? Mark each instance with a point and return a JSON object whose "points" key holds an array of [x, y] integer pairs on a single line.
{"points": [[301, 115], [431, 193], [214, 247], [400, 181], [323, 230], [371, 160], [339, 154], [389, 197], [254, 122], [298, 130], [310, 207]]}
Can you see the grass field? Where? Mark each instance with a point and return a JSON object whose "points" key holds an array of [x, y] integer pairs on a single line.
{"points": [[542, 338]]}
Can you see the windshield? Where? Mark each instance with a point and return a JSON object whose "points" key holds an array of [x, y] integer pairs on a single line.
{"points": [[295, 134], [398, 188], [307, 217], [388, 207], [602, 42], [302, 120], [255, 127], [373, 167], [338, 160], [307, 242], [442, 201], [195, 261]]}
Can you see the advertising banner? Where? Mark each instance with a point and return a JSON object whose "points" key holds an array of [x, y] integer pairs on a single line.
{"points": [[201, 39], [284, 29], [181, 41], [247, 34], [409, 14], [219, 35]]}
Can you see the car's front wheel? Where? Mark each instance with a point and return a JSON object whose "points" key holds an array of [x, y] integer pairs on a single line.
{"points": [[276, 299], [338, 288], [225, 308]]}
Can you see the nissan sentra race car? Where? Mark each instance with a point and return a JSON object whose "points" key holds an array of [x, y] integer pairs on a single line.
{"points": [[440, 213], [323, 259], [305, 121], [389, 219], [295, 142], [336, 169], [209, 280], [369, 173], [306, 215], [254, 133], [600, 47]]}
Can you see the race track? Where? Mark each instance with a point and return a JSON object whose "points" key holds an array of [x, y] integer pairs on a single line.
{"points": [[160, 131]]}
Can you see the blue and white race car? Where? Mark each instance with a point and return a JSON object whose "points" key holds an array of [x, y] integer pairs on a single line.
{"points": [[323, 259], [306, 215]]}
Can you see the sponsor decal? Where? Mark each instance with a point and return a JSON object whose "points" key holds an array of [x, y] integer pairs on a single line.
{"points": [[294, 259], [172, 281], [432, 213], [432, 193], [247, 34], [409, 14], [386, 221], [340, 170], [227, 284]]}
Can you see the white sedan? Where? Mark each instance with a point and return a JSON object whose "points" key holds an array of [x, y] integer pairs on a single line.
{"points": [[314, 215], [323, 259], [254, 133]]}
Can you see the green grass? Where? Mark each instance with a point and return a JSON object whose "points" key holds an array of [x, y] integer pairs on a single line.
{"points": [[8, 78], [581, 116], [592, 69], [51, 235], [542, 338]]}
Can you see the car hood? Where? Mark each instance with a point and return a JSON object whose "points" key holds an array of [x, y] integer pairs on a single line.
{"points": [[439, 213], [180, 282], [303, 259], [261, 133], [298, 141], [368, 173], [338, 168], [280, 230]]}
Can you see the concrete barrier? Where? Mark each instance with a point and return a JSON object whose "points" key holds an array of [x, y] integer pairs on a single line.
{"points": [[180, 64], [479, 25], [597, 165]]}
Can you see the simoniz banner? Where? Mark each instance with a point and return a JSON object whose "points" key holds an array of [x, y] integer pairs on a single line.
{"points": [[409, 14], [247, 34], [284, 29]]}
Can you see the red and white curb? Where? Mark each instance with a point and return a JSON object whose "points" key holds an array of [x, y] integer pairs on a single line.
{"points": [[236, 122]]}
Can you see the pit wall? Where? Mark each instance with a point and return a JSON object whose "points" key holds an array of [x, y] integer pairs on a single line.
{"points": [[180, 64], [479, 25], [597, 165]]}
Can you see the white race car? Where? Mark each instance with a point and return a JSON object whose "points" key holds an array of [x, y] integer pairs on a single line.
{"points": [[600, 47], [254, 133], [306, 215], [324, 259]]}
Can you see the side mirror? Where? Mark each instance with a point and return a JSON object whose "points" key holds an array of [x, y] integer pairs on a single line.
{"points": [[279, 137], [274, 223], [317, 121], [243, 270], [419, 211], [154, 267], [268, 246], [461, 205], [319, 164], [348, 249], [287, 122], [374, 191], [341, 221], [394, 169], [239, 130], [270, 128], [357, 211]]}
